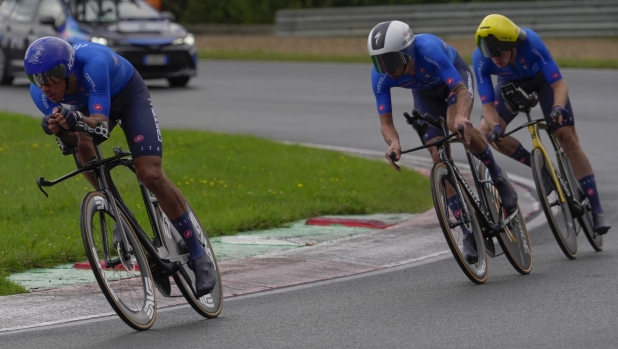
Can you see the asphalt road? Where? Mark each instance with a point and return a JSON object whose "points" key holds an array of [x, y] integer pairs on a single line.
{"points": [[561, 304]]}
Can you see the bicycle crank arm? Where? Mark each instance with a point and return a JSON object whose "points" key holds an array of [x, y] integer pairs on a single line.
{"points": [[507, 221]]}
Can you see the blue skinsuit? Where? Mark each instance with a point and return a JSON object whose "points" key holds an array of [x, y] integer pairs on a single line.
{"points": [[109, 85], [534, 70], [438, 68]]}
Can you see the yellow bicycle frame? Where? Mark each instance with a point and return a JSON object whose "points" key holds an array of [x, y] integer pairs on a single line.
{"points": [[536, 143]]}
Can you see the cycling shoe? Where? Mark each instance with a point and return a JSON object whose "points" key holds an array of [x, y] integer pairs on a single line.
{"points": [[601, 224], [508, 196], [469, 249], [205, 279]]}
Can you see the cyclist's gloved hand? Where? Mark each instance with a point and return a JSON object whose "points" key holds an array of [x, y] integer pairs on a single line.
{"points": [[558, 114], [71, 117], [45, 124], [495, 134]]}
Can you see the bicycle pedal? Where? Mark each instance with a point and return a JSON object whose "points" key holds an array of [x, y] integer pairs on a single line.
{"points": [[576, 209]]}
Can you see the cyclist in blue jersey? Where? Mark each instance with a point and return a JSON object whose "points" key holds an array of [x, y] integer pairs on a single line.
{"points": [[442, 85], [101, 86], [519, 56]]}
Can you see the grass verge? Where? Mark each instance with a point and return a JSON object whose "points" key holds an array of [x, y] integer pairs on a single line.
{"points": [[299, 57], [235, 183]]}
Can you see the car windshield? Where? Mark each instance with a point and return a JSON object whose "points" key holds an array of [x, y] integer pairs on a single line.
{"points": [[111, 10]]}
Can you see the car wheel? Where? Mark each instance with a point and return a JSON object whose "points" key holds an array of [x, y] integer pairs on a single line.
{"points": [[5, 78], [179, 81]]}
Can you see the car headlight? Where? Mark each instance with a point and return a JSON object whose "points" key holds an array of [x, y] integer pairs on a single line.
{"points": [[188, 40], [98, 40]]}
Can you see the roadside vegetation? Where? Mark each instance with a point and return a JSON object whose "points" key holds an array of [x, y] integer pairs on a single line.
{"points": [[235, 183], [258, 55]]}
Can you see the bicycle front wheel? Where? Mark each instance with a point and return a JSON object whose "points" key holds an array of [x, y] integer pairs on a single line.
{"points": [[123, 274], [515, 241], [459, 225], [558, 214]]}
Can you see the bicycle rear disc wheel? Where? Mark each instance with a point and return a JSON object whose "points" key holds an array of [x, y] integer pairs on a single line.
{"points": [[452, 223], [514, 241], [558, 214], [209, 305], [585, 222], [125, 280]]}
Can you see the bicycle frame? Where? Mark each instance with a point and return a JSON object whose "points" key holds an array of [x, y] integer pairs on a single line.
{"points": [[443, 146], [533, 127], [101, 168]]}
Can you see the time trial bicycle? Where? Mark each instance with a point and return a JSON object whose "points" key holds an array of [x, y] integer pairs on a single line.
{"points": [[473, 223], [126, 262], [564, 203]]}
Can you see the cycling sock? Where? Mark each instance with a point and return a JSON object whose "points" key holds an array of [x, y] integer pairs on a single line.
{"points": [[488, 159], [455, 206], [186, 229], [589, 186], [522, 155]]}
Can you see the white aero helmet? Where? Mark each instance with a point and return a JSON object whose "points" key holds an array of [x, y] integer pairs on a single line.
{"points": [[390, 45]]}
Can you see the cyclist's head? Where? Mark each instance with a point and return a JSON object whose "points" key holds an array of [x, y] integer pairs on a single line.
{"points": [[391, 46], [497, 34], [49, 57]]}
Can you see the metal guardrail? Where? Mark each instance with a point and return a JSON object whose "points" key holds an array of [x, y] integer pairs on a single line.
{"points": [[571, 18]]}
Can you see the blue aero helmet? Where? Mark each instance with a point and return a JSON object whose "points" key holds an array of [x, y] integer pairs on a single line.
{"points": [[49, 57]]}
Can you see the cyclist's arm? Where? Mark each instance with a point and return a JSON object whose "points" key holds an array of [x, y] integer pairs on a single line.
{"points": [[382, 92], [549, 68], [561, 93], [490, 114], [464, 100], [94, 119], [391, 137], [485, 88], [436, 53]]}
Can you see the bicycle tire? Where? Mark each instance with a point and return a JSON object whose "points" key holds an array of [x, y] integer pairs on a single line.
{"points": [[477, 272], [558, 214], [126, 282], [210, 305], [515, 242], [585, 222]]}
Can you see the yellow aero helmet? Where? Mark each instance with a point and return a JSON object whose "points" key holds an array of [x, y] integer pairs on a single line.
{"points": [[497, 34]]}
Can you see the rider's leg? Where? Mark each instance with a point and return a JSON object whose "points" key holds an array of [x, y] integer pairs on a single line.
{"points": [[480, 149], [567, 137], [582, 169], [509, 145], [85, 151], [149, 171], [134, 108], [454, 204]]}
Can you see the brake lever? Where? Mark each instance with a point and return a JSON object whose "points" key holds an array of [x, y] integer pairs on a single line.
{"points": [[393, 156], [42, 182]]}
